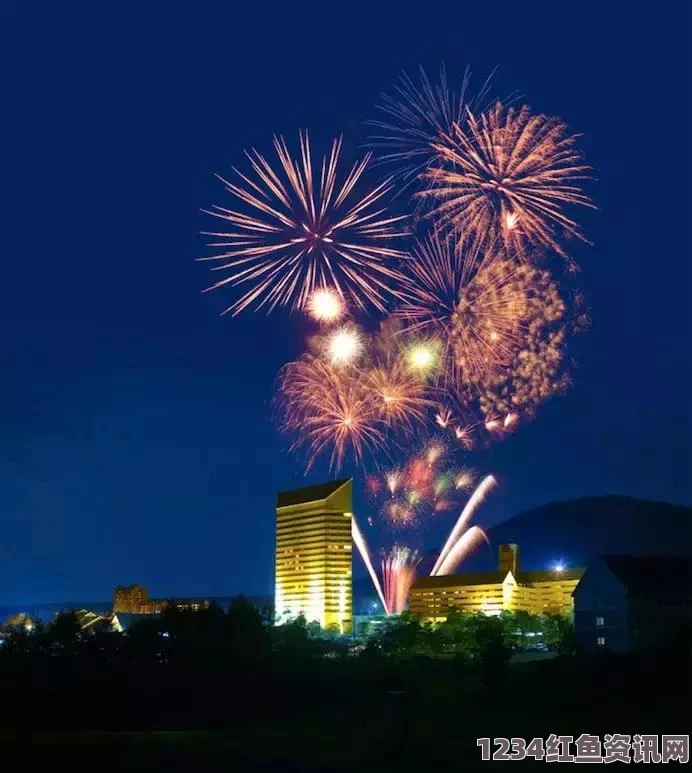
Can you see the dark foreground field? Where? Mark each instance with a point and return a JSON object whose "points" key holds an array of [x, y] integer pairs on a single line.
{"points": [[365, 714]]}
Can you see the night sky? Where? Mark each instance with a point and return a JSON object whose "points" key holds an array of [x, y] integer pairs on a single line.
{"points": [[136, 441]]}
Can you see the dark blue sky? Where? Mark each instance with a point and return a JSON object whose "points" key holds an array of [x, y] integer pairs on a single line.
{"points": [[136, 442]]}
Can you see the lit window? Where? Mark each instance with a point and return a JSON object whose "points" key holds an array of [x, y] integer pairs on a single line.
{"points": [[600, 621], [600, 640]]}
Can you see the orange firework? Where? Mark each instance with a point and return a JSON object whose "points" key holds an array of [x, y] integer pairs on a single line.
{"points": [[413, 119], [400, 394], [301, 230], [508, 174], [474, 298], [326, 408]]}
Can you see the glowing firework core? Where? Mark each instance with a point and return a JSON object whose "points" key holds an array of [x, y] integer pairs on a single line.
{"points": [[325, 305], [344, 346], [421, 357]]}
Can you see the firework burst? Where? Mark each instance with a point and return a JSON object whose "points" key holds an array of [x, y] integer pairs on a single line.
{"points": [[325, 408], [301, 230], [413, 118], [399, 393], [508, 174]]}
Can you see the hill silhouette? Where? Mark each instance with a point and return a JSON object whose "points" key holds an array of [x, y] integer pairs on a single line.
{"points": [[573, 532]]}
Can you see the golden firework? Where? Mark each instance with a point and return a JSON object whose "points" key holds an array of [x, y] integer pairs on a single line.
{"points": [[327, 410], [301, 229], [510, 174]]}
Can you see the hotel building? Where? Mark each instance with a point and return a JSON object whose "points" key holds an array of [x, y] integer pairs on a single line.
{"points": [[313, 554], [507, 589]]}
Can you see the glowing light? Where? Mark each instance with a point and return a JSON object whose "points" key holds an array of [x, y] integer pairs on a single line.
{"points": [[422, 357], [558, 567], [510, 418], [326, 306], [344, 345]]}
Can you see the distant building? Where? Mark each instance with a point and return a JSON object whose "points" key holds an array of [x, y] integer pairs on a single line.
{"points": [[134, 600], [129, 598], [313, 554], [508, 589], [625, 603]]}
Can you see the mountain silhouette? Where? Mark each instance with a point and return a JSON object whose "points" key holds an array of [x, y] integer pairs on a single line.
{"points": [[572, 532]]}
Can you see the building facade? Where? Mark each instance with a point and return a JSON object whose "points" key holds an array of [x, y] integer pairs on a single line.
{"points": [[129, 598], [630, 603], [134, 600], [507, 589], [313, 565]]}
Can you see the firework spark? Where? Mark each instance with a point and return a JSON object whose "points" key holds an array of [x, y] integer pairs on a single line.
{"points": [[475, 501], [508, 174], [443, 417], [465, 478], [398, 573], [325, 408], [298, 234], [413, 119]]}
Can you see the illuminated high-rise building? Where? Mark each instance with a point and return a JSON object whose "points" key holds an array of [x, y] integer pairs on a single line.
{"points": [[313, 554]]}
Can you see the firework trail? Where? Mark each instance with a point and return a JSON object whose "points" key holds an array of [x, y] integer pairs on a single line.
{"points": [[360, 543], [302, 230], [475, 501], [508, 174], [413, 119], [398, 573], [468, 541]]}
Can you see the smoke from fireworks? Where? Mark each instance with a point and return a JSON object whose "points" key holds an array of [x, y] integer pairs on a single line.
{"points": [[398, 573], [508, 174], [301, 230]]}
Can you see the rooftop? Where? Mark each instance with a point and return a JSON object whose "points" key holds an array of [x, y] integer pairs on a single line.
{"points": [[495, 578], [316, 493]]}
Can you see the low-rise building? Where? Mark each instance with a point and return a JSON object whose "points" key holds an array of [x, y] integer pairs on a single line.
{"points": [[628, 603], [507, 589], [134, 600]]}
